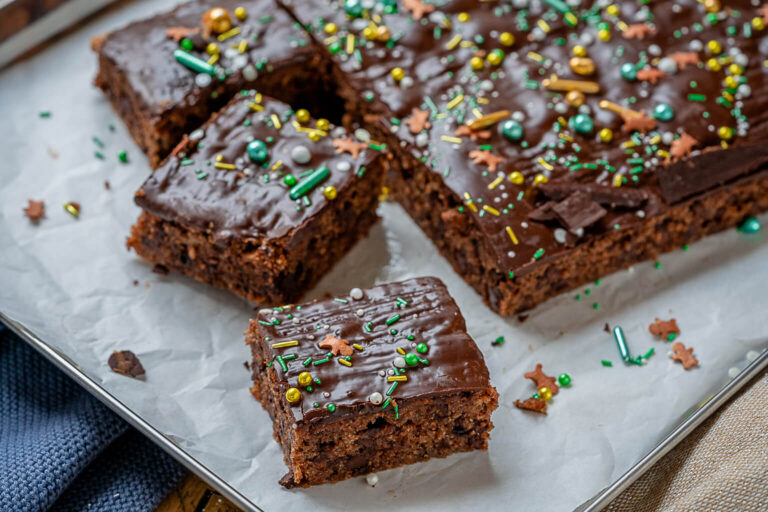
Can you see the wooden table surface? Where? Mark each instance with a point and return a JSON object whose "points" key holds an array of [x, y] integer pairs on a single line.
{"points": [[193, 495]]}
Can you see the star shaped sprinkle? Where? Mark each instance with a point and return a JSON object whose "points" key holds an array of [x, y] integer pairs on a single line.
{"points": [[336, 345]]}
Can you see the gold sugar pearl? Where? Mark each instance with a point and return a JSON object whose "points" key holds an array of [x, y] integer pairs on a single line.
{"points": [[712, 5], [397, 73], [302, 115], [382, 34], [516, 177], [217, 20], [369, 33], [463, 17], [330, 192], [604, 35], [714, 47], [545, 393], [476, 63], [713, 64], [606, 135], [575, 98], [305, 379], [240, 13], [579, 51], [293, 395], [613, 10], [758, 23], [212, 49], [507, 39], [323, 124], [735, 69], [582, 65], [330, 28], [725, 132], [313, 136], [731, 82], [540, 179]]}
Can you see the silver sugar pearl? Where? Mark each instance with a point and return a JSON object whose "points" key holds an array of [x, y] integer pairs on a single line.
{"points": [[300, 154]]}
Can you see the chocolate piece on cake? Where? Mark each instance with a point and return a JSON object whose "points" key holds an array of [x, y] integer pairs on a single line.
{"points": [[167, 74], [545, 147], [371, 380], [261, 201]]}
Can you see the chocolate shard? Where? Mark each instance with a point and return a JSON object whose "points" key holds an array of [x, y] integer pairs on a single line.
{"points": [[544, 212], [609, 196], [125, 363], [692, 176], [578, 211]]}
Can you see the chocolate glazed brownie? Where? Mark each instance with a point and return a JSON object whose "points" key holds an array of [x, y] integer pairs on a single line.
{"points": [[370, 381], [261, 201], [543, 144]]}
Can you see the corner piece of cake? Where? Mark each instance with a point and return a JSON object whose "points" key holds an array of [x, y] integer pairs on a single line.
{"points": [[372, 380], [262, 200]]}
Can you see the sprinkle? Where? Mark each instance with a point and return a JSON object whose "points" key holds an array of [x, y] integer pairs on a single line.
{"points": [[284, 344], [470, 203], [357, 347], [45, 114], [350, 43], [495, 183], [344, 361], [400, 351], [391, 388], [393, 319], [193, 63], [400, 302], [397, 378], [491, 210], [455, 40], [512, 235], [229, 34], [484, 121], [243, 46], [697, 97], [307, 361], [73, 209], [535, 56], [386, 403], [498, 341], [556, 84], [621, 342], [455, 102], [280, 360], [276, 121], [606, 363], [256, 107], [222, 165], [321, 361], [308, 183], [448, 138], [545, 164]]}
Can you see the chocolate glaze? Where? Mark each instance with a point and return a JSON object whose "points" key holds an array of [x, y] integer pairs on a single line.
{"points": [[441, 74], [144, 53], [232, 203], [431, 316]]}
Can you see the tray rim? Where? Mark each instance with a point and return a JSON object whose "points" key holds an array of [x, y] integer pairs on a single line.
{"points": [[598, 502]]}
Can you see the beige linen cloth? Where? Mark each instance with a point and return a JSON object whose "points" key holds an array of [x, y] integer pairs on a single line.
{"points": [[721, 466]]}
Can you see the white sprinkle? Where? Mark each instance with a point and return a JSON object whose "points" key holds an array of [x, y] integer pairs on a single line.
{"points": [[203, 79], [196, 135], [343, 166], [360, 312], [375, 398], [362, 135], [382, 373], [250, 73], [372, 478], [399, 362], [560, 235], [356, 293], [752, 355], [300, 154]]}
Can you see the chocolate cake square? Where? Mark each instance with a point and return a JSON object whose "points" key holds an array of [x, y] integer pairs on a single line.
{"points": [[372, 380], [544, 144], [167, 74], [262, 201]]}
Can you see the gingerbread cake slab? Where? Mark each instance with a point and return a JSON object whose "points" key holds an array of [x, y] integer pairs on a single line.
{"points": [[541, 146], [167, 74], [261, 201], [369, 381]]}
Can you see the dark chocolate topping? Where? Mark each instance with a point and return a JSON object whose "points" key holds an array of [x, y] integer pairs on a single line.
{"points": [[430, 316], [253, 199]]}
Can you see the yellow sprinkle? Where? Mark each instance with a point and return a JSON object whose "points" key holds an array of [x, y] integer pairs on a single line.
{"points": [[484, 101], [397, 378], [617, 180], [543, 26], [329, 40], [566, 137], [628, 144], [469, 202], [284, 344], [276, 121], [277, 165], [350, 43], [72, 209], [357, 347], [663, 153], [219, 158], [377, 18], [229, 33], [455, 101], [655, 139], [255, 106], [495, 183], [622, 26], [243, 46], [455, 40], [491, 210], [400, 351], [535, 56], [257, 97], [476, 112], [512, 235], [448, 138], [545, 164], [616, 108], [562, 121], [222, 165], [344, 361], [571, 18], [214, 59], [724, 144], [467, 44], [728, 96]]}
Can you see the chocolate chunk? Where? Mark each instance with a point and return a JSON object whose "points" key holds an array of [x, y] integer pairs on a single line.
{"points": [[578, 211], [125, 363], [532, 404], [610, 196], [544, 212], [686, 178]]}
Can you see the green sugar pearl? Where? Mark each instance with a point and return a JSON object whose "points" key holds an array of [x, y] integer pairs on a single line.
{"points": [[187, 44], [257, 151], [750, 226], [564, 379], [512, 130], [411, 359], [422, 348], [628, 71], [582, 124], [663, 112]]}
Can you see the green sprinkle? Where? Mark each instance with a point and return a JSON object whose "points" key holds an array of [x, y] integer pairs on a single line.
{"points": [[671, 336], [539, 253], [392, 388], [343, 301], [97, 141], [657, 264], [123, 156], [45, 114], [649, 353], [321, 361], [281, 362], [393, 319], [98, 155], [307, 361], [595, 305], [331, 408], [697, 97], [606, 363], [498, 341]]}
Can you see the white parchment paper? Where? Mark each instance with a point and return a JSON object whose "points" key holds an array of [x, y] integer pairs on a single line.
{"points": [[71, 282]]}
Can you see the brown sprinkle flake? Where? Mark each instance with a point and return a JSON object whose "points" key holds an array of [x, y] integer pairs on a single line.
{"points": [[637, 31], [652, 75], [35, 210], [532, 404], [637, 122], [418, 121], [682, 147], [684, 356], [663, 328], [336, 345], [542, 379], [348, 146], [125, 363], [485, 157], [418, 8]]}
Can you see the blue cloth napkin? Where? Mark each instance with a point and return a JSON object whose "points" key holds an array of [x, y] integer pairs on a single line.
{"points": [[62, 450]]}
